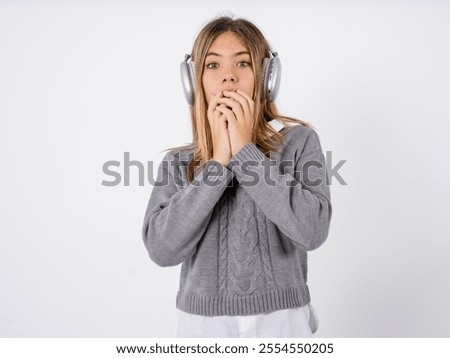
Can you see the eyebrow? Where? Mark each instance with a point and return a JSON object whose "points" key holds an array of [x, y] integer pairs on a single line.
{"points": [[235, 55]]}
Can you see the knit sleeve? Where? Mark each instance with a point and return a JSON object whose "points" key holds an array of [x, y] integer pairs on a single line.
{"points": [[177, 213], [299, 204]]}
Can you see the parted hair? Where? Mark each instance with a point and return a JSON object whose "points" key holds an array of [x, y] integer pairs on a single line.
{"points": [[264, 136]]}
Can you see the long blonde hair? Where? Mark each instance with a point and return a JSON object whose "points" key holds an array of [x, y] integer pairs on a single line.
{"points": [[264, 136]]}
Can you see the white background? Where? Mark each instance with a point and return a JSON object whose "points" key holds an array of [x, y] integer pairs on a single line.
{"points": [[81, 83]]}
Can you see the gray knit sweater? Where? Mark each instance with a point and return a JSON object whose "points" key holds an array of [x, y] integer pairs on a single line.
{"points": [[241, 232]]}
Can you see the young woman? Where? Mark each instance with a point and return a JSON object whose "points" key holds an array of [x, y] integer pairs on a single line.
{"points": [[242, 205]]}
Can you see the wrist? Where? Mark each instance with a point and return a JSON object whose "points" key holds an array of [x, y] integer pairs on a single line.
{"points": [[221, 161]]}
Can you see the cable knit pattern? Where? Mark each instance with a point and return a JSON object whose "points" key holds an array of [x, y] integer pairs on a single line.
{"points": [[248, 255], [243, 248], [265, 251], [223, 246], [245, 264]]}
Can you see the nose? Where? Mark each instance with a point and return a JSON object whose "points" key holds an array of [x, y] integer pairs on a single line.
{"points": [[229, 78], [229, 82]]}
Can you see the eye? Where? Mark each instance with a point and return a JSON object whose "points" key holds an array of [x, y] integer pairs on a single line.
{"points": [[212, 65], [244, 64]]}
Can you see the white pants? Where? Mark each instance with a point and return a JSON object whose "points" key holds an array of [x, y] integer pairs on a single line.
{"points": [[289, 323]]}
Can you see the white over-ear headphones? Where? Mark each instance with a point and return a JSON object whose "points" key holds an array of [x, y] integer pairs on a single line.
{"points": [[270, 78]]}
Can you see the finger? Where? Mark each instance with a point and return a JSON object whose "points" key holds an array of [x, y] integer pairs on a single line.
{"points": [[235, 106], [228, 114], [220, 121], [248, 98], [251, 103], [219, 116], [213, 103], [243, 101]]}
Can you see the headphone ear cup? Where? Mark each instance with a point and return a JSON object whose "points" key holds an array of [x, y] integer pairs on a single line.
{"points": [[187, 80], [272, 78], [264, 77]]}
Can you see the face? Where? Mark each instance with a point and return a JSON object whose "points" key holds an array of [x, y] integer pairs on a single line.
{"points": [[228, 66]]}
